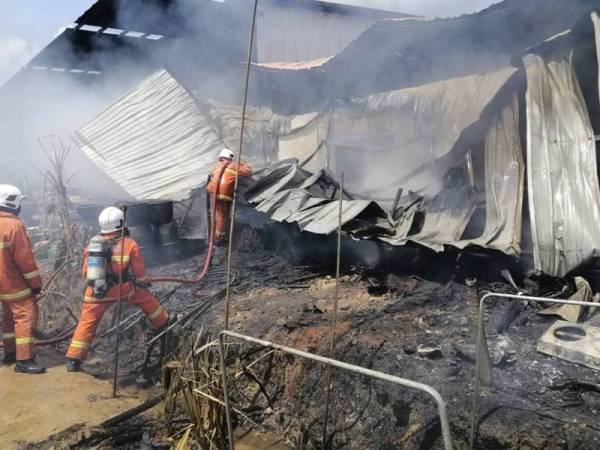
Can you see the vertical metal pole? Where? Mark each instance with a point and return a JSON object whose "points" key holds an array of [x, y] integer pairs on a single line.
{"points": [[239, 160], [335, 309], [476, 399], [226, 391], [119, 308]]}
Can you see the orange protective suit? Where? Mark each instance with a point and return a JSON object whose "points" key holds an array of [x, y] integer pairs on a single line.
{"points": [[134, 273], [19, 279], [221, 188]]}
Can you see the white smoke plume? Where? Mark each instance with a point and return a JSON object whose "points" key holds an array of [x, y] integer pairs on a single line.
{"points": [[15, 52]]}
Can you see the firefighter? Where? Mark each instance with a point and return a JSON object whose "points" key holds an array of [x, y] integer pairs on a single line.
{"points": [[220, 188], [102, 290], [20, 284]]}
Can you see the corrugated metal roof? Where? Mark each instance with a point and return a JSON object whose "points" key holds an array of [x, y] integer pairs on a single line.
{"points": [[160, 142], [143, 141], [563, 187], [294, 65]]}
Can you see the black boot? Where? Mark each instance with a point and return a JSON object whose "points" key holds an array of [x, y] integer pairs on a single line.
{"points": [[29, 366], [9, 358], [73, 365]]}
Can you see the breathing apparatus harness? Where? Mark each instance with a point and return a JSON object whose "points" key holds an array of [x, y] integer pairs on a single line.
{"points": [[100, 276]]}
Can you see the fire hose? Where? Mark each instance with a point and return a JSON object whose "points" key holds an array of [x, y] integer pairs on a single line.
{"points": [[165, 279], [202, 274]]}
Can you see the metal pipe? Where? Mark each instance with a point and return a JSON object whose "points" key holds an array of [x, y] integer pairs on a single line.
{"points": [[480, 343], [239, 161], [335, 309], [441, 405], [119, 305]]}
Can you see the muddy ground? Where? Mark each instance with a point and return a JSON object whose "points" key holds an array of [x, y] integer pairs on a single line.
{"points": [[417, 327]]}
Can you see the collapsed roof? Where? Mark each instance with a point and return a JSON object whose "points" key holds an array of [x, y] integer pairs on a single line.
{"points": [[395, 54], [445, 159]]}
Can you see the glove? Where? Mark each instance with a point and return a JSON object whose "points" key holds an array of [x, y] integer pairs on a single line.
{"points": [[36, 291]]}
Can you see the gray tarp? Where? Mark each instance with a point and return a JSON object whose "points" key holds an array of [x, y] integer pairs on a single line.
{"points": [[564, 195]]}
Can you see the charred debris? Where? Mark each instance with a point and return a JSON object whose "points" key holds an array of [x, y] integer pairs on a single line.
{"points": [[469, 153]]}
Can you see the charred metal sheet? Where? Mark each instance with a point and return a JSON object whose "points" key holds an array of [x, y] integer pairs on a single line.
{"points": [[504, 184], [399, 138], [446, 217], [324, 219], [288, 193], [284, 204], [275, 178], [563, 189]]}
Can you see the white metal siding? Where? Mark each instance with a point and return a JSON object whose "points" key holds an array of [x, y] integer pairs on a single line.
{"points": [[299, 34]]}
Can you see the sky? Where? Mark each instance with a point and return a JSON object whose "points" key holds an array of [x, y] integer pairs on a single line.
{"points": [[27, 26]]}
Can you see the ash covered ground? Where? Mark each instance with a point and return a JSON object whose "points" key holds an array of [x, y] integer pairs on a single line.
{"points": [[418, 327]]}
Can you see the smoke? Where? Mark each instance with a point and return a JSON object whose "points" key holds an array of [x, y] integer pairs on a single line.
{"points": [[204, 45], [15, 52], [65, 88]]}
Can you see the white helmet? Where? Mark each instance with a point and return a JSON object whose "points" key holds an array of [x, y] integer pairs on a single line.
{"points": [[10, 196], [226, 153], [110, 220]]}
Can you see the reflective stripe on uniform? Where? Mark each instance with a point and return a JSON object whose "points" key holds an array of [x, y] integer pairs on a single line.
{"points": [[24, 340], [224, 197], [117, 258], [4, 245], [79, 344], [30, 275], [231, 171], [17, 295], [7, 336], [156, 313], [87, 299]]}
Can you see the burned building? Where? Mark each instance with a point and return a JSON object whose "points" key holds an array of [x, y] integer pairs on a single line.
{"points": [[468, 146], [446, 158]]}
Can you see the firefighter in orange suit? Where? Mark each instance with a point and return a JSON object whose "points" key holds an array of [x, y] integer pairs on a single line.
{"points": [[221, 188], [20, 283], [133, 289]]}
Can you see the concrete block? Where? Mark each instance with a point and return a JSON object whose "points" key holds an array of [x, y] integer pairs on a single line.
{"points": [[577, 343]]}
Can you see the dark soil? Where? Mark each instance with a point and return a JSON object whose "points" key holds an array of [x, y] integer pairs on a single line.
{"points": [[386, 322]]}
